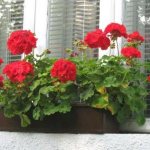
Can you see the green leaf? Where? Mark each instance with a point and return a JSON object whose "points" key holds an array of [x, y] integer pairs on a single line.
{"points": [[36, 113], [50, 109], [27, 107], [46, 89], [65, 96], [25, 121], [35, 85], [111, 82], [36, 99], [120, 98], [87, 93], [30, 94], [9, 112], [101, 102], [63, 108], [113, 107], [123, 114], [130, 91], [137, 104], [44, 81], [43, 74], [140, 119]]}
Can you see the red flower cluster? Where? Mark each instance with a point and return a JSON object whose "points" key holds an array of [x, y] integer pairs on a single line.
{"points": [[1, 81], [104, 42], [64, 70], [1, 61], [116, 30], [131, 52], [21, 41], [148, 78], [18, 71], [135, 36], [97, 39]]}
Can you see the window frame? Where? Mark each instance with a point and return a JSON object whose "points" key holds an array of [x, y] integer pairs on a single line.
{"points": [[35, 19]]}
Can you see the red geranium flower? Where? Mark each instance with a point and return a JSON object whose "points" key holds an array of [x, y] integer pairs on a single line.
{"points": [[21, 41], [64, 70], [135, 36], [92, 39], [1, 61], [97, 39], [1, 81], [18, 71], [148, 78], [116, 30], [131, 52], [104, 42]]}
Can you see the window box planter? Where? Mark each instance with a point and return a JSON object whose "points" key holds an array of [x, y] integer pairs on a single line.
{"points": [[81, 119], [45, 86]]}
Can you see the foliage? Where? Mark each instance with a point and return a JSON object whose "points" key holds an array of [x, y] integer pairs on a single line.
{"points": [[114, 83]]}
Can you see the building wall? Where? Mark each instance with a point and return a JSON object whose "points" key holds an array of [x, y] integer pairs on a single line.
{"points": [[36, 141]]}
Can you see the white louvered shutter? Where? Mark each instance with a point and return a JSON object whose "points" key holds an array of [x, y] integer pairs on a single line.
{"points": [[69, 20], [137, 18], [11, 18]]}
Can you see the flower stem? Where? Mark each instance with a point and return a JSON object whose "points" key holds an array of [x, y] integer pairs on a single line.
{"points": [[110, 52], [90, 51], [82, 55], [117, 47]]}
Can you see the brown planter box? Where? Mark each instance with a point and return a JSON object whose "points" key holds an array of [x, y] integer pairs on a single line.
{"points": [[81, 119]]}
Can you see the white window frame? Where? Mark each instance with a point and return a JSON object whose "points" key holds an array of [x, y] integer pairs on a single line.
{"points": [[35, 19]]}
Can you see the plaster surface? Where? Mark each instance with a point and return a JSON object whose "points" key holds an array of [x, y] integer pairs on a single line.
{"points": [[38, 141]]}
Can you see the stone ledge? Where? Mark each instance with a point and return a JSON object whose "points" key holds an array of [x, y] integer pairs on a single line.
{"points": [[40, 141]]}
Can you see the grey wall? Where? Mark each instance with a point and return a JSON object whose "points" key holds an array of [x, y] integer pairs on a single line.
{"points": [[35, 141]]}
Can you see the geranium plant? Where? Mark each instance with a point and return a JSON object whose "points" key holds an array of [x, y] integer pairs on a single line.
{"points": [[42, 86]]}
